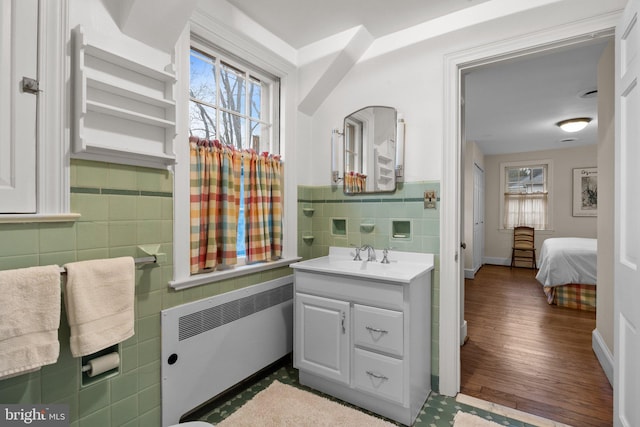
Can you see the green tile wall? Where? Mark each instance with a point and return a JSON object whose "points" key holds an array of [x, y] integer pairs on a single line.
{"points": [[317, 205], [121, 207]]}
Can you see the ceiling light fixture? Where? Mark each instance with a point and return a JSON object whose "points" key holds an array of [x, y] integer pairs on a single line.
{"points": [[574, 125]]}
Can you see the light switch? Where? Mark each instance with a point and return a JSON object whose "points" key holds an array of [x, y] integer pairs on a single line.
{"points": [[430, 199]]}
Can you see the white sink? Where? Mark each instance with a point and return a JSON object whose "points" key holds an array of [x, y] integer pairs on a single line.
{"points": [[403, 266]]}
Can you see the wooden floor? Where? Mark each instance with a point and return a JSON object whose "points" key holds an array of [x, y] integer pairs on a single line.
{"points": [[528, 355]]}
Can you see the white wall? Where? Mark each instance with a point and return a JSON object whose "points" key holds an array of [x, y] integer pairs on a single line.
{"points": [[98, 19], [411, 79], [498, 242]]}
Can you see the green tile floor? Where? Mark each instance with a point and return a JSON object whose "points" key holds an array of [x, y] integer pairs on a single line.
{"points": [[438, 411]]}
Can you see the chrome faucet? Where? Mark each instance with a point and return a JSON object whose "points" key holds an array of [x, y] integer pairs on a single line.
{"points": [[371, 252]]}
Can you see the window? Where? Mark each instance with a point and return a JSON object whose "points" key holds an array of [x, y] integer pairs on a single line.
{"points": [[275, 76], [235, 104], [526, 194]]}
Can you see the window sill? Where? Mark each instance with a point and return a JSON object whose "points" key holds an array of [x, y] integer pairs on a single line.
{"points": [[29, 218], [217, 276]]}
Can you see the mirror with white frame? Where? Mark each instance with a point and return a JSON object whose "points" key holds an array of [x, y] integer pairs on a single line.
{"points": [[371, 148]]}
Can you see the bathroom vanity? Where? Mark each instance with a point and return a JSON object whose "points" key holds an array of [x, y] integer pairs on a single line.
{"points": [[362, 330]]}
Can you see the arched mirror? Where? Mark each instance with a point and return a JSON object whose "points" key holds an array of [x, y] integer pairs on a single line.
{"points": [[370, 150]]}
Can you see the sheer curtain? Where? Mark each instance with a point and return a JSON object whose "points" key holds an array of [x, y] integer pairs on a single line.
{"points": [[528, 209]]}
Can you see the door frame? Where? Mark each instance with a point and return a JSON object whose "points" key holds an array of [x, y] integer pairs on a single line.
{"points": [[451, 262], [478, 205]]}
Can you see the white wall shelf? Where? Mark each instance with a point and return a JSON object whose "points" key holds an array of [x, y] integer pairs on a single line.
{"points": [[124, 111]]}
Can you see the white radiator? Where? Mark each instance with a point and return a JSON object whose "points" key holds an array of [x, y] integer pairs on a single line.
{"points": [[213, 344]]}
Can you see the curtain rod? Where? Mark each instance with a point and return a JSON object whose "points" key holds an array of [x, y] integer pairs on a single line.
{"points": [[138, 261]]}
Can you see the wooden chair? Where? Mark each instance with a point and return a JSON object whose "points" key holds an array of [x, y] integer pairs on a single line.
{"points": [[523, 246]]}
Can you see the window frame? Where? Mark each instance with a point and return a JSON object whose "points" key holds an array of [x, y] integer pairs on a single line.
{"points": [[548, 164], [272, 120], [199, 35], [271, 99]]}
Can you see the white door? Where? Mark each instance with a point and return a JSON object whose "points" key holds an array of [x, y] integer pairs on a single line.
{"points": [[627, 229], [478, 217], [18, 50], [321, 336]]}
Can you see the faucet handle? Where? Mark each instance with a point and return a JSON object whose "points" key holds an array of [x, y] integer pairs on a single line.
{"points": [[357, 248], [385, 252]]}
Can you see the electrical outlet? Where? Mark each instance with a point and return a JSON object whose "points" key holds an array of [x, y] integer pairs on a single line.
{"points": [[429, 199]]}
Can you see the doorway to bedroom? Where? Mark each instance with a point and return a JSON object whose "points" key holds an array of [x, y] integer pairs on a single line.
{"points": [[520, 351]]}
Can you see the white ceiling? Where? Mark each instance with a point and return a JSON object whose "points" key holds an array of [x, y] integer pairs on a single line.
{"points": [[301, 22], [511, 106]]}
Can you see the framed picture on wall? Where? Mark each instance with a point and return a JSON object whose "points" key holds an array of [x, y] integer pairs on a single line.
{"points": [[585, 192]]}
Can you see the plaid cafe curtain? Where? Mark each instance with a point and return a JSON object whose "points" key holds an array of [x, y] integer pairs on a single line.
{"points": [[215, 177], [263, 176], [355, 182]]}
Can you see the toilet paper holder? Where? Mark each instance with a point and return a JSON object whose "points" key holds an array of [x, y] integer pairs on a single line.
{"points": [[100, 365]]}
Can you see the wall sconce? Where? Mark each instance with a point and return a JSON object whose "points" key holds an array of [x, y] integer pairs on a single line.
{"points": [[574, 125], [335, 169], [400, 151]]}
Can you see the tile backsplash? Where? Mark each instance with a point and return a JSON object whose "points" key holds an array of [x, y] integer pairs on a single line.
{"points": [[121, 207], [369, 219]]}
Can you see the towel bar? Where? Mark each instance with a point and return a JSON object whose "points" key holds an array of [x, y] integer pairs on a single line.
{"points": [[138, 261]]}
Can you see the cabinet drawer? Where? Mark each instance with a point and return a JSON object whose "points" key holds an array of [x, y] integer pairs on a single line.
{"points": [[359, 291], [378, 329], [379, 375]]}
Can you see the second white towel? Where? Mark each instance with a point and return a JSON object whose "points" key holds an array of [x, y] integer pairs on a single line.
{"points": [[99, 297]]}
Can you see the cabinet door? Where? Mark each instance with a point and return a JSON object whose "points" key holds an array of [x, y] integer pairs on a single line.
{"points": [[321, 336], [18, 30]]}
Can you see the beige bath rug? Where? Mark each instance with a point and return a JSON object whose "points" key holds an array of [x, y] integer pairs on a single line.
{"points": [[283, 405], [463, 419]]}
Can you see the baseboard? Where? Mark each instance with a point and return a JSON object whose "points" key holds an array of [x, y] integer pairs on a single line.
{"points": [[603, 354], [463, 332], [470, 273], [496, 261]]}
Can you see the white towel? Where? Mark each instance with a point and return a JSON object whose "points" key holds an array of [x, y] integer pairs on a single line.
{"points": [[99, 296], [29, 319]]}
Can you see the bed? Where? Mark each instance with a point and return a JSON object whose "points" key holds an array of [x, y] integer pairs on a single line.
{"points": [[567, 272]]}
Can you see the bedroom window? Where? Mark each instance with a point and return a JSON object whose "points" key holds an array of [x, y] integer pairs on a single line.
{"points": [[526, 194]]}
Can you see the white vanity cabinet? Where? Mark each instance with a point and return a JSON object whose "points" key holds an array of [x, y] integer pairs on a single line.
{"points": [[365, 340]]}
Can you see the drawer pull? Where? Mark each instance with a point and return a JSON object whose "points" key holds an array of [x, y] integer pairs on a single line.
{"points": [[372, 329], [377, 376]]}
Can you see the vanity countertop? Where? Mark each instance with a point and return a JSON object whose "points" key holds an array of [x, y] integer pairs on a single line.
{"points": [[402, 268]]}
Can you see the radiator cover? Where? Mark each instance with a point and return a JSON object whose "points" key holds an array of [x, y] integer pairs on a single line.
{"points": [[212, 344]]}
